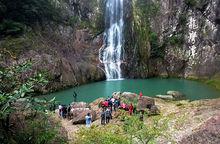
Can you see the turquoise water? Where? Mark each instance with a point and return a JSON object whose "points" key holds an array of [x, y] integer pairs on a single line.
{"points": [[149, 87]]}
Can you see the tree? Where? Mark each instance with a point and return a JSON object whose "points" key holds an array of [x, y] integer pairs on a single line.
{"points": [[16, 15], [17, 87]]}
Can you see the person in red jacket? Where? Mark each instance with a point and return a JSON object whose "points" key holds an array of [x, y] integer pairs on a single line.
{"points": [[131, 108], [141, 94]]}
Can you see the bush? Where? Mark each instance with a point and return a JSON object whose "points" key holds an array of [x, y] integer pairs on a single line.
{"points": [[41, 129], [191, 3], [131, 131], [8, 27], [176, 40], [101, 135], [139, 132], [22, 117], [156, 50], [14, 14]]}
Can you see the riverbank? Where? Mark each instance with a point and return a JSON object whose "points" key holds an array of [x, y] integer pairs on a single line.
{"points": [[187, 122], [213, 82]]}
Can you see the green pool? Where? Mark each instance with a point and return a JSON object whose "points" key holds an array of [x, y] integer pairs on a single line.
{"points": [[149, 87]]}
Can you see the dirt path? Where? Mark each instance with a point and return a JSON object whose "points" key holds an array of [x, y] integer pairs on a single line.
{"points": [[72, 129]]}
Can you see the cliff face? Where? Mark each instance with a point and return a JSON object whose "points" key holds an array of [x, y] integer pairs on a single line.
{"points": [[186, 39], [165, 37], [199, 51], [68, 54]]}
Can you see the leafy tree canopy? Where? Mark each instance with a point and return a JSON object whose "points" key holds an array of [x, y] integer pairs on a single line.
{"points": [[16, 89], [16, 14]]}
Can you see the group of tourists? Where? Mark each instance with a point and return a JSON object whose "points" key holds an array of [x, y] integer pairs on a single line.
{"points": [[108, 106], [64, 111], [111, 103]]}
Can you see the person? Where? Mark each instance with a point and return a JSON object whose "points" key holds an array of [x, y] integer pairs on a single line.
{"points": [[123, 106], [88, 120], [108, 99], [140, 95], [112, 99], [103, 117], [131, 108], [60, 110], [110, 104], [68, 111], [106, 104], [115, 105], [108, 115], [119, 102], [65, 111], [74, 96]]}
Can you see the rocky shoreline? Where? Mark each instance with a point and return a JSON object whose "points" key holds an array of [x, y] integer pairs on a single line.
{"points": [[189, 122]]}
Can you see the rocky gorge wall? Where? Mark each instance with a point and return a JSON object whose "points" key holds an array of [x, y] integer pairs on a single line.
{"points": [[67, 54], [177, 38], [183, 38]]}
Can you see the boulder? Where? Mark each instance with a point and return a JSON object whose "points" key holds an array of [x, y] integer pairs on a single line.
{"points": [[79, 105], [165, 97], [154, 110], [175, 94], [207, 133], [145, 102], [116, 95], [95, 105], [129, 96], [79, 115]]}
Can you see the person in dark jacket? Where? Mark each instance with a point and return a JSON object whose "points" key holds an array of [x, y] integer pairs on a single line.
{"points": [[108, 115], [103, 117]]}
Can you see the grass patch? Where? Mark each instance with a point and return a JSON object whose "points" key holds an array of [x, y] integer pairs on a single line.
{"points": [[213, 82]]}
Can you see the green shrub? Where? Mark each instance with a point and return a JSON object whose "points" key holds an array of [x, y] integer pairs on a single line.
{"points": [[131, 131], [191, 3], [22, 113], [101, 135], [11, 28], [41, 129], [214, 82], [176, 40], [183, 19], [138, 132], [15, 14], [157, 51], [122, 115], [73, 20]]}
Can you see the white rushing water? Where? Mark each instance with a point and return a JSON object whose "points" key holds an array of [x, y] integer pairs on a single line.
{"points": [[111, 53]]}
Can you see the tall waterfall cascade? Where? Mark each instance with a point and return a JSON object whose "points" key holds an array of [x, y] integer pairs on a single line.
{"points": [[111, 54]]}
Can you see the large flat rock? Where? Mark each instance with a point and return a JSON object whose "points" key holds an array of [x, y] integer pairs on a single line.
{"points": [[145, 102], [207, 133], [79, 116]]}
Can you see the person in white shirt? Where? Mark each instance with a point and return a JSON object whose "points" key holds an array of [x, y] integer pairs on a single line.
{"points": [[60, 110]]}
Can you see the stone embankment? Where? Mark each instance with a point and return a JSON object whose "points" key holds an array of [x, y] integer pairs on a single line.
{"points": [[188, 122]]}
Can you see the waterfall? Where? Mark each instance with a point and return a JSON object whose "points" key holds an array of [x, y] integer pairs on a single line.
{"points": [[111, 53]]}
